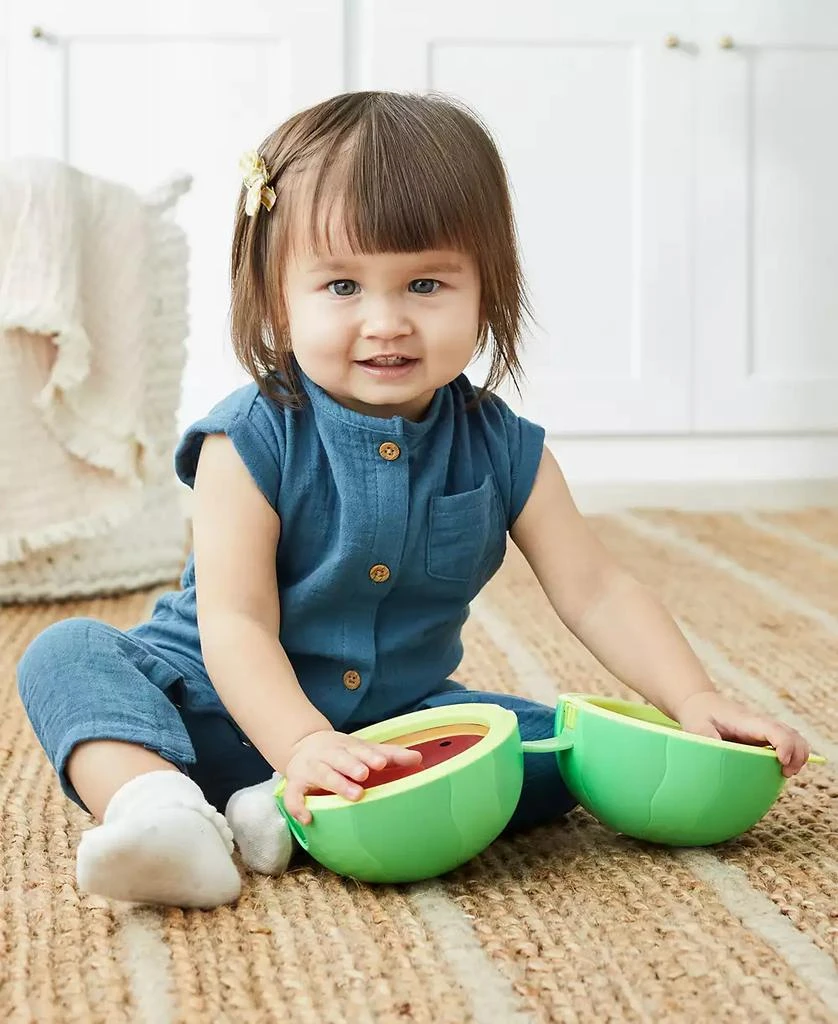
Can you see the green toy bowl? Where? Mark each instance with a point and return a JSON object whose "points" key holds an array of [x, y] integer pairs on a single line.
{"points": [[419, 823], [638, 773]]}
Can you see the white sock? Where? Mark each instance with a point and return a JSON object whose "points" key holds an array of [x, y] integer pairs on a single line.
{"points": [[160, 842], [261, 833]]}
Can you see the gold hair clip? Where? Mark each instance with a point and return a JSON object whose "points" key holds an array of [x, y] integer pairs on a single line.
{"points": [[255, 174]]}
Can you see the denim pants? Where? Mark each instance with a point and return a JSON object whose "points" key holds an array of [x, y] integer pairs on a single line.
{"points": [[85, 680]]}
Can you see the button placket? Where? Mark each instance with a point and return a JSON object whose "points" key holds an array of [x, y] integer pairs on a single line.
{"points": [[389, 451], [387, 535]]}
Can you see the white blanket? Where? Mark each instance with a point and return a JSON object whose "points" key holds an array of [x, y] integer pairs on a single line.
{"points": [[74, 316]]}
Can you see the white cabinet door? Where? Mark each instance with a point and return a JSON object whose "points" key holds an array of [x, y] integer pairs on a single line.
{"points": [[139, 92], [766, 216], [5, 98], [592, 112]]}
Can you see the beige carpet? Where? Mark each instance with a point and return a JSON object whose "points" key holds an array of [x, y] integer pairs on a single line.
{"points": [[566, 924]]}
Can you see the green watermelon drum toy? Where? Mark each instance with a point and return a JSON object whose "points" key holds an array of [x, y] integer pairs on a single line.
{"points": [[415, 823], [629, 765], [638, 773]]}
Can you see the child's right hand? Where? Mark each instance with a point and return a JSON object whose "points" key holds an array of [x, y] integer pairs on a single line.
{"points": [[331, 760]]}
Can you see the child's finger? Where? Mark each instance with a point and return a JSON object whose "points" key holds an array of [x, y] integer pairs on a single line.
{"points": [[789, 746], [780, 736], [331, 780], [371, 756], [344, 761], [379, 755], [294, 798], [399, 755], [800, 755]]}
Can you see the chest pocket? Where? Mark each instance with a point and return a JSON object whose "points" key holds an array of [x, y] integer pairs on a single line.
{"points": [[466, 534]]}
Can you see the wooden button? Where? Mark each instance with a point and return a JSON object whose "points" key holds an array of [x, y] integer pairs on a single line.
{"points": [[389, 450], [351, 680], [379, 574]]}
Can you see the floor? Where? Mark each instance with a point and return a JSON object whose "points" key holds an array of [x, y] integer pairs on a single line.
{"points": [[568, 923]]}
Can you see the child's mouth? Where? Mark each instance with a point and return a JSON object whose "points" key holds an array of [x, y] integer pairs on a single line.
{"points": [[388, 367]]}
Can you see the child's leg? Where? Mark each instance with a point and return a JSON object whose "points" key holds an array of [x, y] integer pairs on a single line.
{"points": [[243, 785], [544, 797], [97, 769], [97, 702]]}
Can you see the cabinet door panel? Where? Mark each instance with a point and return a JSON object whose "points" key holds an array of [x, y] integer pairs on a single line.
{"points": [[5, 97], [138, 94], [766, 219], [591, 111]]}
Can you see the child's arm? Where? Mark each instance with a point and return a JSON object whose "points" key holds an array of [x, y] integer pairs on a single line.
{"points": [[625, 626], [235, 537]]}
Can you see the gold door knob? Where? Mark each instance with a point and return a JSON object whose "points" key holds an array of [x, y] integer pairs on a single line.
{"points": [[671, 41], [42, 35], [726, 42]]}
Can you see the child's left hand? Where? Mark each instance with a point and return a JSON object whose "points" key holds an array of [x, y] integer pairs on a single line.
{"points": [[711, 714]]}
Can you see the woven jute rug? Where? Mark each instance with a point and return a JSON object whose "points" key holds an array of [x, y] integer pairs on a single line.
{"points": [[568, 923]]}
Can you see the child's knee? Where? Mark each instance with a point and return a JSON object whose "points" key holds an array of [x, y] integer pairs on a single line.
{"points": [[60, 645]]}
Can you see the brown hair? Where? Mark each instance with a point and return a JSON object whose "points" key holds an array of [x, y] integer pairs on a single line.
{"points": [[408, 172]]}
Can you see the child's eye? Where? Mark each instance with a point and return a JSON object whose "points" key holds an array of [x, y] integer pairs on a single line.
{"points": [[425, 286], [343, 288]]}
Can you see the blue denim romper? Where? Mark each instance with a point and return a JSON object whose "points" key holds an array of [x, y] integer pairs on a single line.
{"points": [[390, 528]]}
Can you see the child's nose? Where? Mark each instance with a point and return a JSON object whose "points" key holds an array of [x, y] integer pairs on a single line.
{"points": [[384, 318]]}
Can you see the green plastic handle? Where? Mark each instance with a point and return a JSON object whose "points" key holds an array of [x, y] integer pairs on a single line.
{"points": [[548, 746]]}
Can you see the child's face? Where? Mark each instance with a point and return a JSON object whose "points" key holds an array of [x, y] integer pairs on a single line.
{"points": [[344, 309]]}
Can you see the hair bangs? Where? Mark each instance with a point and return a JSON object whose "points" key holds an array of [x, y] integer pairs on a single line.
{"points": [[364, 196]]}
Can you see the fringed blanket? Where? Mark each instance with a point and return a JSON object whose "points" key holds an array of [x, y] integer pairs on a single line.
{"points": [[74, 318]]}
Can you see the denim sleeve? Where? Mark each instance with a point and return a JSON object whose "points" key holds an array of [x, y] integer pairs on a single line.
{"points": [[248, 419], [524, 444]]}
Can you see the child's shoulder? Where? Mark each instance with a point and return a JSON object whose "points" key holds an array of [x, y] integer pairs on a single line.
{"points": [[251, 419], [261, 408], [489, 413], [244, 401], [236, 403], [513, 445]]}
